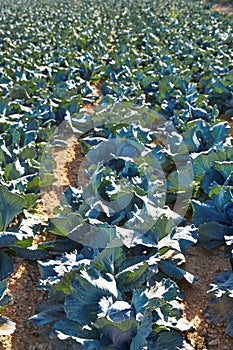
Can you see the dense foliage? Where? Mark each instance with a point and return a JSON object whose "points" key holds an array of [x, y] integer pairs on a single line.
{"points": [[158, 160]]}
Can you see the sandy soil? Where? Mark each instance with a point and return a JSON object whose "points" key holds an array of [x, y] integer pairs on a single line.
{"points": [[204, 264], [228, 9], [224, 9]]}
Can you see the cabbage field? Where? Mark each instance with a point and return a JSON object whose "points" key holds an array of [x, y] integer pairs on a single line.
{"points": [[144, 89]]}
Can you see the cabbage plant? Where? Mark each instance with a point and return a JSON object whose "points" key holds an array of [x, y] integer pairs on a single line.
{"points": [[7, 326]]}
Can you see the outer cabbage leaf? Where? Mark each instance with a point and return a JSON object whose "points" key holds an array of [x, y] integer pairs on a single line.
{"points": [[180, 238], [19, 239], [7, 326], [200, 136], [202, 162], [119, 333], [212, 234], [11, 204], [169, 340], [66, 328], [220, 305], [51, 314], [174, 272], [4, 297], [219, 208], [220, 175], [6, 265], [85, 292], [145, 329], [109, 260]]}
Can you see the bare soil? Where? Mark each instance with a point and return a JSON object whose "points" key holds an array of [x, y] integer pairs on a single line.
{"points": [[204, 264], [228, 9]]}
